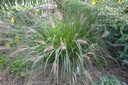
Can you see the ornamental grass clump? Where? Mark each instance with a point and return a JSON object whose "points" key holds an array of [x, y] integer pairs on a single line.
{"points": [[68, 47]]}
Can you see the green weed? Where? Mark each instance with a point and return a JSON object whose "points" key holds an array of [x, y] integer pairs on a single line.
{"points": [[3, 61], [18, 67], [108, 80]]}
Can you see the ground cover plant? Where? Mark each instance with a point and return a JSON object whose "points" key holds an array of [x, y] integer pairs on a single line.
{"points": [[68, 43], [3, 61], [108, 80]]}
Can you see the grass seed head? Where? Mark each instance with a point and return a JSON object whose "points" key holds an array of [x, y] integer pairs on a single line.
{"points": [[82, 41], [48, 48]]}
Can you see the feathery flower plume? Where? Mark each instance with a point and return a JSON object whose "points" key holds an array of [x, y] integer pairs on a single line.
{"points": [[54, 67], [52, 23], [76, 35], [88, 76], [82, 19], [34, 58], [82, 41], [40, 41], [62, 46], [105, 34], [48, 48], [18, 51], [86, 56], [4, 48], [59, 14]]}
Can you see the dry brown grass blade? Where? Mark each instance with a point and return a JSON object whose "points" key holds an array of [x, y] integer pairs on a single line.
{"points": [[34, 59], [30, 30], [82, 19], [105, 34], [88, 76], [40, 42], [5, 39], [6, 22], [75, 36], [86, 56], [18, 51], [4, 48], [94, 26], [119, 45], [82, 41], [22, 46], [33, 15], [6, 31], [5, 26], [52, 22], [54, 67], [62, 46], [60, 15], [48, 48]]}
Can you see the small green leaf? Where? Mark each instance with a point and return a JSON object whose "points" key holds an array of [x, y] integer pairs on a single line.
{"points": [[22, 73]]}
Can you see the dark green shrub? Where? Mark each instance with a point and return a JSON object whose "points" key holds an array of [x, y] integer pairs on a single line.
{"points": [[119, 40], [115, 23]]}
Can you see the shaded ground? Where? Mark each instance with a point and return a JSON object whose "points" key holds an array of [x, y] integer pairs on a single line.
{"points": [[40, 79]]}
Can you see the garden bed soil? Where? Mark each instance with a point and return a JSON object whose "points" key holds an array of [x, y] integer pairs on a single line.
{"points": [[40, 79]]}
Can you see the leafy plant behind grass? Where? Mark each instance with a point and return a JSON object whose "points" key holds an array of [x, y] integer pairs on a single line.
{"points": [[113, 22], [108, 80], [117, 28]]}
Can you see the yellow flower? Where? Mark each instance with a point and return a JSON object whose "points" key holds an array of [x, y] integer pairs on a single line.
{"points": [[13, 20], [18, 41], [119, 0], [7, 44], [94, 2], [17, 37]]}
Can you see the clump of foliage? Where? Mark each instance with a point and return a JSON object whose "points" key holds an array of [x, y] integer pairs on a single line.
{"points": [[3, 61], [68, 44], [119, 38], [115, 27], [108, 80], [18, 67]]}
